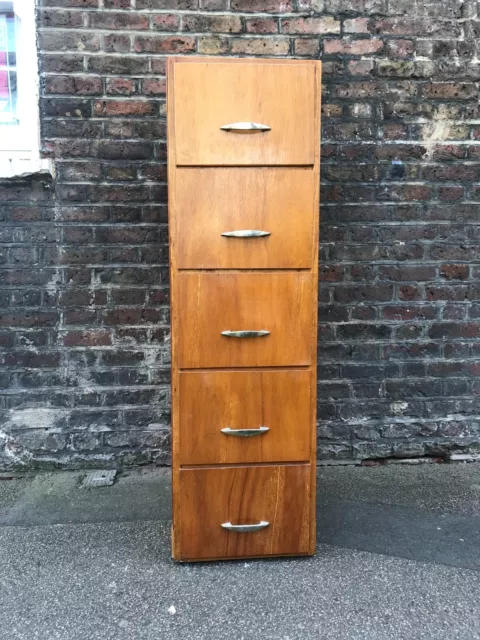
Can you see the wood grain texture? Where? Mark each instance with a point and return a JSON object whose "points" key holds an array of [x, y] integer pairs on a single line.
{"points": [[244, 399], [279, 96], [212, 302], [303, 485], [213, 200], [211, 496], [314, 273]]}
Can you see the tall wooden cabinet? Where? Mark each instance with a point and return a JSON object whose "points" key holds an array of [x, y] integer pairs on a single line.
{"points": [[243, 171]]}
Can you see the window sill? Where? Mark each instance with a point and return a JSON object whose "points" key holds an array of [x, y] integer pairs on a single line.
{"points": [[18, 164]]}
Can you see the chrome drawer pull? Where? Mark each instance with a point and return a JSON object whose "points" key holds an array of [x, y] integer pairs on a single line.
{"points": [[245, 126], [245, 233], [244, 433], [245, 334], [245, 528]]}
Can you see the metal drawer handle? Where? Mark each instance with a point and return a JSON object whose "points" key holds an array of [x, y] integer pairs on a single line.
{"points": [[244, 433], [245, 528], [245, 126], [245, 334], [246, 233]]}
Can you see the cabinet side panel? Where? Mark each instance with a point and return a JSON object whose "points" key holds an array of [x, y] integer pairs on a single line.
{"points": [[176, 532], [316, 239]]}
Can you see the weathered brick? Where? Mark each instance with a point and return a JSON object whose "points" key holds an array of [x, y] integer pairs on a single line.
{"points": [[125, 65], [261, 25], [154, 86], [263, 6], [213, 45], [450, 90], [117, 43], [398, 278], [215, 24], [360, 67], [166, 22], [353, 47], [82, 4], [261, 46], [400, 48], [307, 47], [214, 5], [167, 4], [87, 338], [454, 271], [75, 85], [124, 108], [165, 44], [414, 26], [58, 40], [56, 18], [120, 86], [310, 25]]}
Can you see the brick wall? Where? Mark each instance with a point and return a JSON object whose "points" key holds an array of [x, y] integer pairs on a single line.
{"points": [[85, 256]]}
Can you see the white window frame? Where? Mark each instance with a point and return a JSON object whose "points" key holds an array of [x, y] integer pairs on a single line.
{"points": [[20, 145]]}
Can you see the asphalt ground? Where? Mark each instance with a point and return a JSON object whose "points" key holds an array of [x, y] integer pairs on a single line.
{"points": [[398, 556]]}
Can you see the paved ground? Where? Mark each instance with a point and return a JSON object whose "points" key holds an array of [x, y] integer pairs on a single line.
{"points": [[398, 558]]}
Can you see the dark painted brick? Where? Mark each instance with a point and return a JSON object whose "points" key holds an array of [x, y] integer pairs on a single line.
{"points": [[84, 258]]}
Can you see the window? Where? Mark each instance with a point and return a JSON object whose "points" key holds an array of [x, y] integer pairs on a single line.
{"points": [[19, 120], [8, 69]]}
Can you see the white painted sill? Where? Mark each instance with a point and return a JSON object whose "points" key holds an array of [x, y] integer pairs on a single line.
{"points": [[18, 164]]}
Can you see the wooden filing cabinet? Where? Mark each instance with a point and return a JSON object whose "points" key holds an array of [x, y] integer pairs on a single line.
{"points": [[243, 172]]}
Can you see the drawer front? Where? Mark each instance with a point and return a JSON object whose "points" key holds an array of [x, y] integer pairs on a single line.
{"points": [[276, 201], [211, 95], [266, 415], [239, 496], [278, 307]]}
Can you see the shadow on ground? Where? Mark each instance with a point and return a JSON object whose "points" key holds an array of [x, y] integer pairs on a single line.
{"points": [[398, 557]]}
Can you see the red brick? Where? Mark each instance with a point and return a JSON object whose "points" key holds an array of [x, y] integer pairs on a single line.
{"points": [[87, 338], [454, 271], [213, 24], [165, 44], [120, 86], [261, 25], [310, 25], [74, 85], [124, 108], [154, 86], [353, 47], [116, 43], [159, 65], [306, 46], [262, 6], [56, 18], [450, 194], [124, 21], [451, 90], [261, 46], [166, 22]]}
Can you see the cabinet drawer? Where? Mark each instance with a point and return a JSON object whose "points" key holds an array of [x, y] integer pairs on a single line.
{"points": [[279, 306], [211, 95], [266, 414], [212, 497], [213, 201]]}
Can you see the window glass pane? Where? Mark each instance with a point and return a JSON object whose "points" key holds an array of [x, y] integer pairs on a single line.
{"points": [[8, 68]]}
